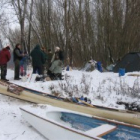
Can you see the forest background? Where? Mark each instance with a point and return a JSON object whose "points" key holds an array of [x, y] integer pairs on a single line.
{"points": [[103, 30]]}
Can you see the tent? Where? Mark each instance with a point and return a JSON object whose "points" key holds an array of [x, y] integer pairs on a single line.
{"points": [[130, 62]]}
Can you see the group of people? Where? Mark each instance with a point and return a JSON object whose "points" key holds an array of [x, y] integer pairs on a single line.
{"points": [[43, 62], [46, 63], [5, 56]]}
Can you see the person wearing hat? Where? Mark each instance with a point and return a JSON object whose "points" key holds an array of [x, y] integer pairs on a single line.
{"points": [[4, 58], [38, 60], [58, 53], [55, 71]]}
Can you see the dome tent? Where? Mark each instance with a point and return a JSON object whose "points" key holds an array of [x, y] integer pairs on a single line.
{"points": [[130, 62]]}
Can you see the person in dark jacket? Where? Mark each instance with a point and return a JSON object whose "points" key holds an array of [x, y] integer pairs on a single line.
{"points": [[4, 58], [38, 60], [18, 55]]}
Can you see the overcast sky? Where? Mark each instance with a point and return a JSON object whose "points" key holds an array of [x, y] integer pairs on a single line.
{"points": [[11, 15], [7, 12]]}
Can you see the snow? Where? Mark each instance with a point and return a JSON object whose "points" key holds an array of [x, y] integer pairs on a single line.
{"points": [[12, 125], [103, 89]]}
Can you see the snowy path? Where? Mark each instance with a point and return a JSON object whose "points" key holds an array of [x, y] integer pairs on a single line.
{"points": [[12, 125]]}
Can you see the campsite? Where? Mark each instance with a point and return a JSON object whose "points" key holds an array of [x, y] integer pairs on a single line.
{"points": [[69, 70]]}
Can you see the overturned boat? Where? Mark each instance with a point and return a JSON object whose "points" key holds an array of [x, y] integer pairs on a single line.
{"points": [[61, 124]]}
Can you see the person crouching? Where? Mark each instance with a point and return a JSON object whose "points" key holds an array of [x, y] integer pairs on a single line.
{"points": [[55, 71]]}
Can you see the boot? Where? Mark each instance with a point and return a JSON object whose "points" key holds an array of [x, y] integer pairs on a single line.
{"points": [[4, 79]]}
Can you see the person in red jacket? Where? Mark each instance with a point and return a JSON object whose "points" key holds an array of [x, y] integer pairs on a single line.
{"points": [[4, 58]]}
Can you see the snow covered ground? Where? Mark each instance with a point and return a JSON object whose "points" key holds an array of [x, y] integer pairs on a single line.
{"points": [[12, 124], [103, 89]]}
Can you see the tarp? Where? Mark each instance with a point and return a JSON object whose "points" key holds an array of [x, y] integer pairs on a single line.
{"points": [[89, 66]]}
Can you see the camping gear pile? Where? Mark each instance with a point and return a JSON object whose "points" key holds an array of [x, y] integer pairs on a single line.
{"points": [[92, 65]]}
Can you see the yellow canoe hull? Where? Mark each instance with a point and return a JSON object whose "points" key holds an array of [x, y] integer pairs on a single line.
{"points": [[119, 115]]}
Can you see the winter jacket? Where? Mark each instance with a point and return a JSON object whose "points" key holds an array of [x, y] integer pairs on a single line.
{"points": [[4, 56], [50, 55], [45, 56], [24, 60], [56, 67], [38, 58], [17, 54]]}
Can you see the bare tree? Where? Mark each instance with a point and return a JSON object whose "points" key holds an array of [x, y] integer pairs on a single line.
{"points": [[20, 8], [103, 30], [29, 34]]}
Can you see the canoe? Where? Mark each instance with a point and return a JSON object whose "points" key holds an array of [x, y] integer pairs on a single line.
{"points": [[37, 97], [57, 123]]}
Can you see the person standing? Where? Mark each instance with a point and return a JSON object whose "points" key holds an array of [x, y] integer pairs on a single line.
{"points": [[4, 58], [23, 64], [38, 60], [18, 55]]}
